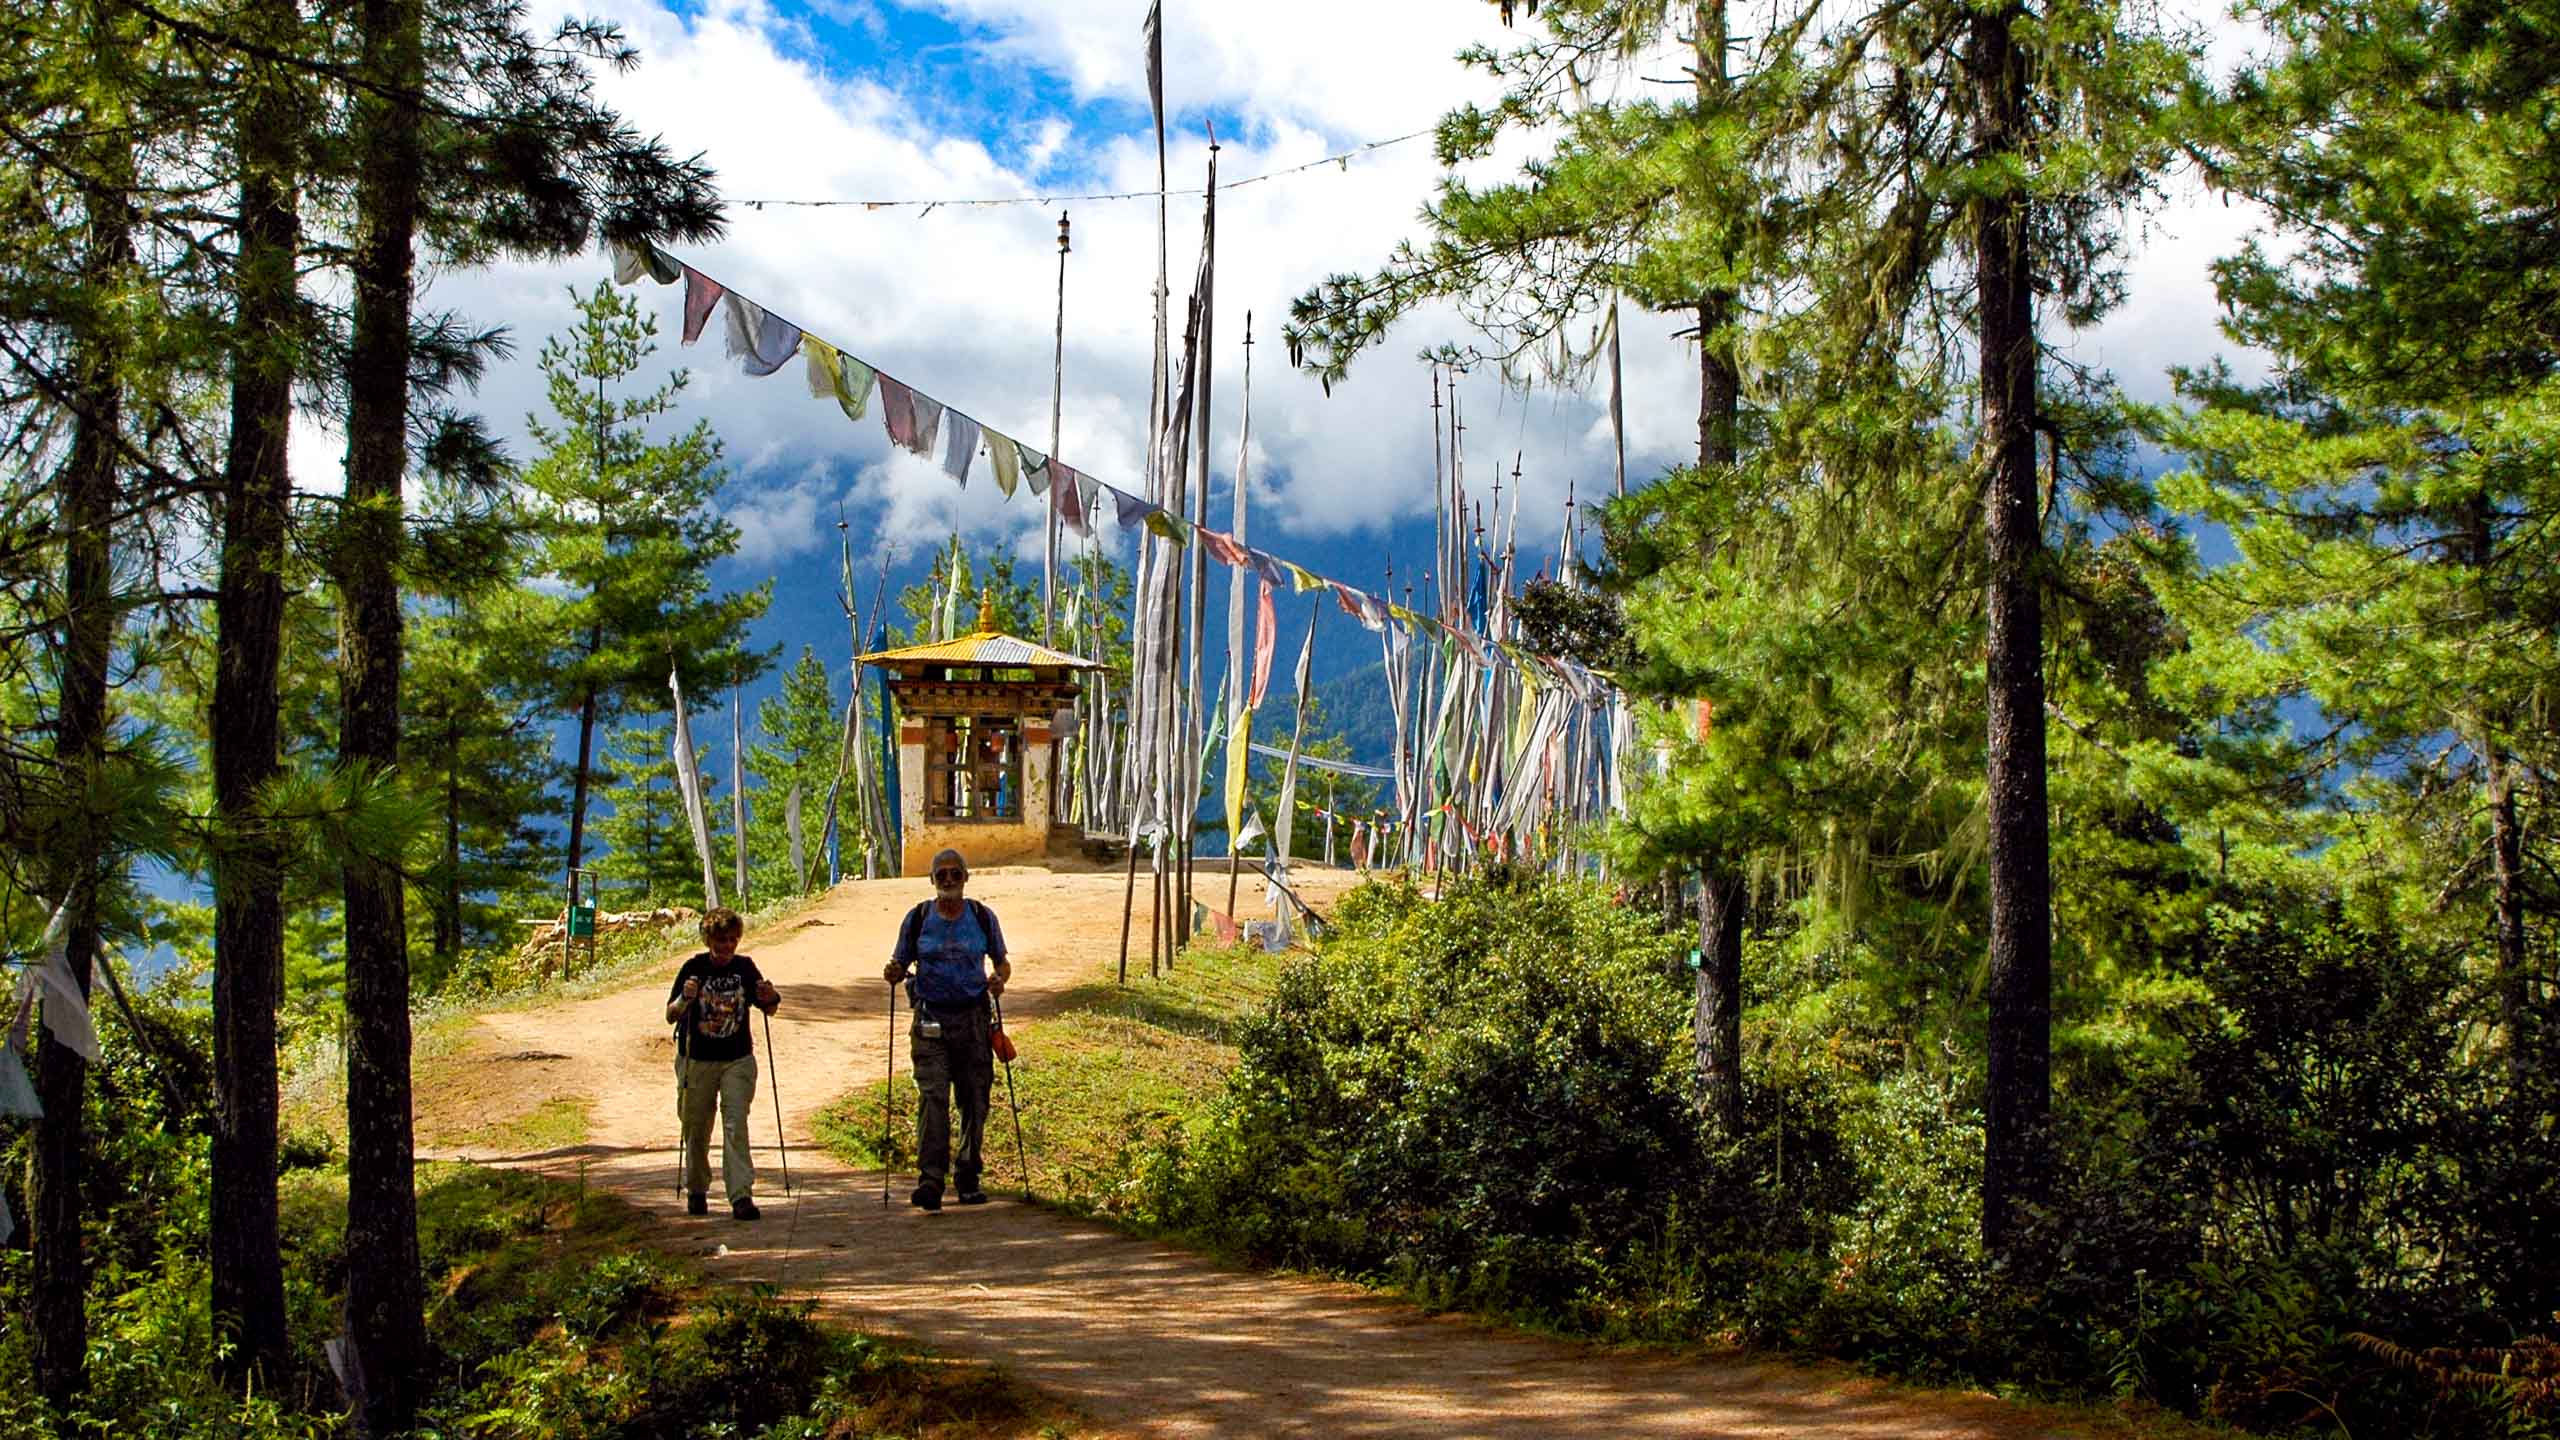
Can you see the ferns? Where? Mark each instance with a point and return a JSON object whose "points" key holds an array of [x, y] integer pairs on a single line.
{"points": [[2525, 1374]]}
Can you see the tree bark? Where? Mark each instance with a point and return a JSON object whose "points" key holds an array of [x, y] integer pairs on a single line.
{"points": [[578, 794], [385, 1302], [2515, 977], [59, 1308], [248, 859], [2017, 1162], [2506, 836], [1716, 1028], [448, 932]]}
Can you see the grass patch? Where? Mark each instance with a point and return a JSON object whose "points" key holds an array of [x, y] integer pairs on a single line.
{"points": [[1101, 1079], [551, 1125]]}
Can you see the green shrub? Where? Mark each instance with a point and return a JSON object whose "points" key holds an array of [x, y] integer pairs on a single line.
{"points": [[1485, 1097]]}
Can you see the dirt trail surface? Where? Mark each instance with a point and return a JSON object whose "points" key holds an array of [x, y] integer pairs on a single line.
{"points": [[1146, 1339]]}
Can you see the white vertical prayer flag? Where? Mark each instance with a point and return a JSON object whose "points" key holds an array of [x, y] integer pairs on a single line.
{"points": [[66, 1009], [689, 782], [738, 789]]}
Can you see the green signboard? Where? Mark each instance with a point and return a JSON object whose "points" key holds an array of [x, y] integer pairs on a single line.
{"points": [[582, 922]]}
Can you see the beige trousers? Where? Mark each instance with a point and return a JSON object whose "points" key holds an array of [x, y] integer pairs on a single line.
{"points": [[731, 1085]]}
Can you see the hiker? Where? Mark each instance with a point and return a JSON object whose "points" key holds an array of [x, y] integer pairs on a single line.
{"points": [[716, 1062], [945, 943]]}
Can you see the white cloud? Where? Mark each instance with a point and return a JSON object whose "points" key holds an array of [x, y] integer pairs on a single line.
{"points": [[958, 301]]}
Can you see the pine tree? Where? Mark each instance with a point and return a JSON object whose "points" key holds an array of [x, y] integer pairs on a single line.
{"points": [[474, 737], [2392, 491], [803, 729], [647, 839], [628, 528], [947, 600]]}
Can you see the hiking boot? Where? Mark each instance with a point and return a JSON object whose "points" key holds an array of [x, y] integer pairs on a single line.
{"points": [[744, 1210], [697, 1203], [973, 1197], [926, 1200]]}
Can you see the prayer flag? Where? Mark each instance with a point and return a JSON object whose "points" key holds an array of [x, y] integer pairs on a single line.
{"points": [[898, 412], [1035, 468], [1304, 578], [48, 978], [962, 450], [689, 783], [1130, 510], [701, 292], [1167, 525], [834, 375], [1287, 812], [1222, 547], [17, 1094], [791, 827], [1066, 496], [763, 342], [1266, 639], [1006, 457], [928, 422], [738, 791], [1239, 753], [1268, 566]]}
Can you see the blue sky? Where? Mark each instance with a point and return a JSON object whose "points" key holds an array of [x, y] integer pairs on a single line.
{"points": [[960, 99]]}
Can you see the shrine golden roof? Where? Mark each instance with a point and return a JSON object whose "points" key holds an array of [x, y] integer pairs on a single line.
{"points": [[983, 647]]}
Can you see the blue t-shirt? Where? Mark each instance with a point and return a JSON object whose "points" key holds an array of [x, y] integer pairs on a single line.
{"points": [[947, 957]]}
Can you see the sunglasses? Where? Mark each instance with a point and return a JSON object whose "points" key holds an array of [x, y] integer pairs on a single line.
{"points": [[941, 875]]}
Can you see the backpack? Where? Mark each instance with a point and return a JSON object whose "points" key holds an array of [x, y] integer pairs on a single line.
{"points": [[913, 925]]}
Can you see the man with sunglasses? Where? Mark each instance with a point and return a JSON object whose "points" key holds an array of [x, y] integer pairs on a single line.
{"points": [[943, 954]]}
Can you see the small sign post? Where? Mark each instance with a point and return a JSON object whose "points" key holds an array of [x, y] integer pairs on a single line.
{"points": [[581, 918]]}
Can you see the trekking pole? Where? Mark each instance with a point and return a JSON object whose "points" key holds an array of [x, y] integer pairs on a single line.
{"points": [[1021, 1157], [889, 1098], [773, 1072], [684, 1078]]}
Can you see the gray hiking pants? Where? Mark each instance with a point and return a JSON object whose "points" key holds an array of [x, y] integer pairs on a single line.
{"points": [[960, 1068], [731, 1085]]}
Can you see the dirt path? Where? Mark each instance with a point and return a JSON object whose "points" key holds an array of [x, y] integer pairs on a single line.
{"points": [[1146, 1339]]}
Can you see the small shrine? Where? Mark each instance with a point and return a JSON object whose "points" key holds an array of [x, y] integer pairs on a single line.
{"points": [[980, 718]]}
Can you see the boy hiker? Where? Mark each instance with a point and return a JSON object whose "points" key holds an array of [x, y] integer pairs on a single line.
{"points": [[946, 943], [716, 1062]]}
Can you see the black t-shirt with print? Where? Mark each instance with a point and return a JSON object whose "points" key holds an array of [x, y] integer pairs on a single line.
{"points": [[716, 1027]]}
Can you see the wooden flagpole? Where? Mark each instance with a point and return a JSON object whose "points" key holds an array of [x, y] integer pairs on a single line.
{"points": [[1057, 398]]}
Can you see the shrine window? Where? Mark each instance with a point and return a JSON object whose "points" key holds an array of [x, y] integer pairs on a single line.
{"points": [[972, 767]]}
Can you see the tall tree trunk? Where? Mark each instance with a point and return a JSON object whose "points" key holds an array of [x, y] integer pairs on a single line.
{"points": [[2017, 1157], [448, 934], [59, 1309], [2515, 978], [248, 860], [2506, 836], [385, 1305], [586, 764], [1716, 1028]]}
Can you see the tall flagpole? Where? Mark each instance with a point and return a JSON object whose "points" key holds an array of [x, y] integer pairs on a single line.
{"points": [[1238, 664], [1196, 735], [1617, 397], [1057, 395]]}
